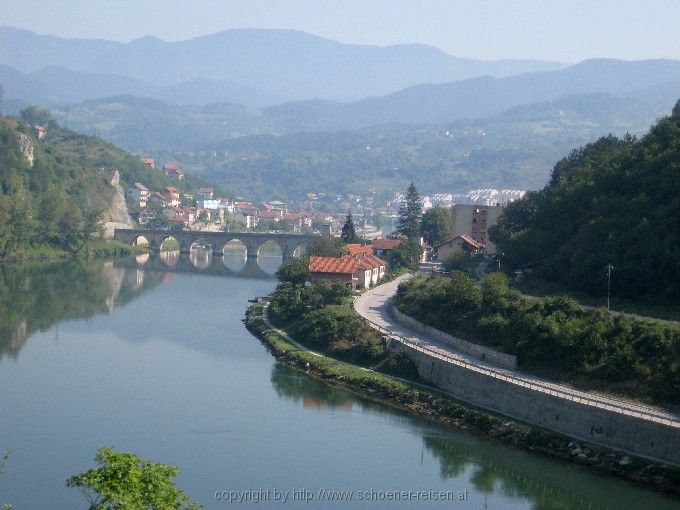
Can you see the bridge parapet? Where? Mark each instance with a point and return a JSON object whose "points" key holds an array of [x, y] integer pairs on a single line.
{"points": [[186, 238]]}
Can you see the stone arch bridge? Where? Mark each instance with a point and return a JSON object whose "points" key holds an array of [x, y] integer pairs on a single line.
{"points": [[186, 238]]}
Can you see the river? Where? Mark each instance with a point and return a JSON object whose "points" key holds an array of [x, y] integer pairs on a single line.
{"points": [[157, 361]]}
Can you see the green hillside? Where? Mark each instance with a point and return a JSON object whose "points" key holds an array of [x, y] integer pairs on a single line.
{"points": [[55, 204], [615, 201]]}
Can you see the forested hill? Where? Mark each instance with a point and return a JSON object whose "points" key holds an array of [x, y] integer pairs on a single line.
{"points": [[615, 201], [54, 192]]}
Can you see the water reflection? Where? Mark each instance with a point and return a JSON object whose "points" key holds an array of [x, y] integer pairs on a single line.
{"points": [[35, 297], [204, 261], [496, 472]]}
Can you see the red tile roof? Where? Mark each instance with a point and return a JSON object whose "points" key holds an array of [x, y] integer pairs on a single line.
{"points": [[386, 244], [471, 241], [268, 214], [374, 261], [170, 166], [336, 265], [205, 190], [356, 249], [466, 239]]}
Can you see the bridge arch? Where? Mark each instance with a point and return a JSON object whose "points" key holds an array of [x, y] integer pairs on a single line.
{"points": [[140, 240], [235, 254]]}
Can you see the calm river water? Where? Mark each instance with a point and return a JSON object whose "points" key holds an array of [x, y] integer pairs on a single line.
{"points": [[157, 362]]}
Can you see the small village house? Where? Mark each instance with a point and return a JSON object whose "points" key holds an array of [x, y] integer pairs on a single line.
{"points": [[383, 247], [334, 269], [204, 194], [173, 170], [158, 198], [138, 194], [145, 216], [40, 132], [172, 195], [150, 162], [359, 271], [458, 244]]}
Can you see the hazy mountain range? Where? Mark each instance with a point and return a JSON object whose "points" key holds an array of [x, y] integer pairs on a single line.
{"points": [[282, 64], [277, 109]]}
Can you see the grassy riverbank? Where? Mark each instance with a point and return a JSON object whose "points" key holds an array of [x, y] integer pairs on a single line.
{"points": [[434, 404]]}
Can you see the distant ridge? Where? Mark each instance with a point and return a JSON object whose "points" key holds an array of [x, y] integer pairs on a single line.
{"points": [[289, 64]]}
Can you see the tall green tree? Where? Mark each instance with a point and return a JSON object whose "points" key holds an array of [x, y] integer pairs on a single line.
{"points": [[405, 255], [125, 481], [294, 270], [436, 225], [349, 233], [410, 214]]}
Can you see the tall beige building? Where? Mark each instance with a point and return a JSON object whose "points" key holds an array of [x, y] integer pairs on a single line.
{"points": [[474, 221]]}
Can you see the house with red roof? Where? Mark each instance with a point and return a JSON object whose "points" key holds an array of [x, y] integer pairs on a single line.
{"points": [[204, 194], [383, 247], [172, 195], [173, 170], [150, 162], [159, 198], [356, 271], [458, 244], [333, 269], [359, 249]]}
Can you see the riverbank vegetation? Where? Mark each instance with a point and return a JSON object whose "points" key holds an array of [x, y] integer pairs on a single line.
{"points": [[553, 336], [321, 317], [613, 202]]}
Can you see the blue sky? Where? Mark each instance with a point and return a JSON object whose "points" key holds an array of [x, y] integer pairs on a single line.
{"points": [[568, 31]]}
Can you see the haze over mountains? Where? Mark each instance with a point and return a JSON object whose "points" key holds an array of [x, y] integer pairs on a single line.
{"points": [[284, 64], [270, 104]]}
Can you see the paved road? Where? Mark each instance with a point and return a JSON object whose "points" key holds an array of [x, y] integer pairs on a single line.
{"points": [[373, 306]]}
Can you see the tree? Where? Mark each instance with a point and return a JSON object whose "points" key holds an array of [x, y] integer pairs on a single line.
{"points": [[409, 214], [349, 234], [38, 116], [436, 225], [405, 255], [125, 481], [294, 270], [326, 247]]}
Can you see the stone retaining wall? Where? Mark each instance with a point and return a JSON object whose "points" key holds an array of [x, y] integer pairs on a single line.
{"points": [[631, 434], [478, 351]]}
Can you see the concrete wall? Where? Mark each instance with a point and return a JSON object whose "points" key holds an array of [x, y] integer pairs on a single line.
{"points": [[580, 420], [478, 351]]}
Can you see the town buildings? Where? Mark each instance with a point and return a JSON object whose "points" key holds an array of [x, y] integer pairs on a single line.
{"points": [[474, 222], [138, 194], [458, 244]]}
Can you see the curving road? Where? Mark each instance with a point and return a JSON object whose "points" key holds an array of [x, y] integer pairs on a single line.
{"points": [[373, 305]]}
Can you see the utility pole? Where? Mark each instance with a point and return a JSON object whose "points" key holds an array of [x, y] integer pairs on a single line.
{"points": [[609, 283]]}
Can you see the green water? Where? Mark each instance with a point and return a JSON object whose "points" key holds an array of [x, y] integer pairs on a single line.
{"points": [[155, 360]]}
